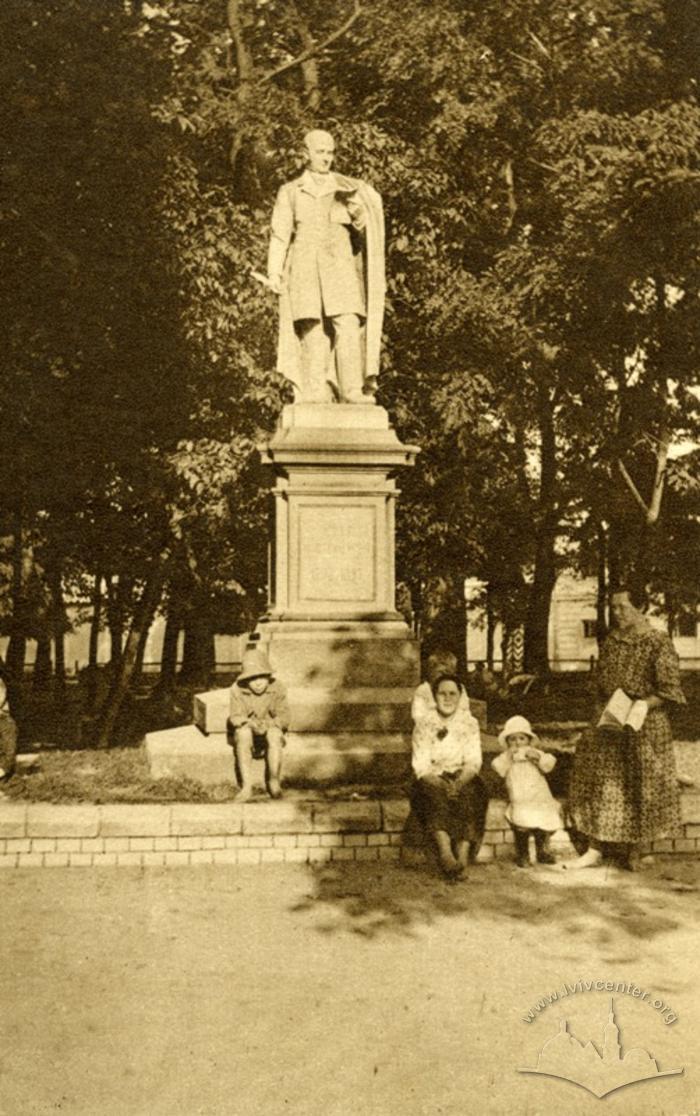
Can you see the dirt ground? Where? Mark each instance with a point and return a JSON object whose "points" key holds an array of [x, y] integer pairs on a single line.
{"points": [[361, 990]]}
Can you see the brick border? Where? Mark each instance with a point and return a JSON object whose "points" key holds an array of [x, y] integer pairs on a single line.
{"points": [[40, 835]]}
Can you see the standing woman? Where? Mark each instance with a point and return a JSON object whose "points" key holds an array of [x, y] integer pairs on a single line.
{"points": [[624, 787], [448, 797]]}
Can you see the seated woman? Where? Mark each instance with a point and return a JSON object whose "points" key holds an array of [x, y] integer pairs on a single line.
{"points": [[448, 797]]}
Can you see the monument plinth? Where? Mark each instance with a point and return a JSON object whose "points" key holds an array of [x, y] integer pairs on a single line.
{"points": [[332, 631]]}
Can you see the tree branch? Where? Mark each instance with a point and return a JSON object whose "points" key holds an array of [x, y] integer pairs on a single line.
{"points": [[315, 49], [632, 487], [244, 59], [309, 66]]}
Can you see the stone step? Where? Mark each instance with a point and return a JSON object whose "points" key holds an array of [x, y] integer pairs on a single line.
{"points": [[317, 709], [339, 659]]}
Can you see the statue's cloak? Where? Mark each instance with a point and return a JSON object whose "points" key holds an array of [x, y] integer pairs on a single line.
{"points": [[370, 259]]}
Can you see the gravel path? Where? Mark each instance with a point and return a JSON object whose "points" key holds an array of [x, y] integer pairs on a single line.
{"points": [[349, 991]]}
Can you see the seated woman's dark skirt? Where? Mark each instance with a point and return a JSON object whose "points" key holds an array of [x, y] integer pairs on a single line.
{"points": [[462, 816]]}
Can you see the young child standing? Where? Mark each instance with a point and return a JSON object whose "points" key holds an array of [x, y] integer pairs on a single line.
{"points": [[259, 717], [532, 809]]}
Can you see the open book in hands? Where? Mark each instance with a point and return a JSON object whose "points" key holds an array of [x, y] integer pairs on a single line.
{"points": [[623, 712]]}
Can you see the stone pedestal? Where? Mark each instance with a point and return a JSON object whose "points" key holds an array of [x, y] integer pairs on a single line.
{"points": [[332, 632]]}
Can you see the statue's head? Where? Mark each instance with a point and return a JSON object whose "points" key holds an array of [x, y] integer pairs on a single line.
{"points": [[319, 149]]}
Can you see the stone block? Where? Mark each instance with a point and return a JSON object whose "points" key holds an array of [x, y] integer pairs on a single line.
{"points": [[13, 819], [496, 815], [395, 813], [342, 854], [187, 753], [347, 757], [296, 856], [248, 856], [206, 820], [225, 856], [366, 854], [388, 852], [277, 817], [342, 657], [347, 817], [32, 860], [272, 856], [690, 807], [134, 821], [44, 820]]}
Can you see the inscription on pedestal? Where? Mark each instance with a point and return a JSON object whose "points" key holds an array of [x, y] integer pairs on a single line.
{"points": [[337, 553]]}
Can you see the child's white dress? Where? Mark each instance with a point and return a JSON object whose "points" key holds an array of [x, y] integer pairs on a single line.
{"points": [[531, 804]]}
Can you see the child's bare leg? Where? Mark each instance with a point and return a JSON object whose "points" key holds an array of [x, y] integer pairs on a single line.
{"points": [[461, 851], [275, 744], [444, 847], [243, 744]]}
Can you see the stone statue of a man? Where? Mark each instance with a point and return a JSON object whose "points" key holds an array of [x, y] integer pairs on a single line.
{"points": [[326, 262]]}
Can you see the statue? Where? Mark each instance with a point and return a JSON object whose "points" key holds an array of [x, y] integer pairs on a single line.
{"points": [[326, 263]]}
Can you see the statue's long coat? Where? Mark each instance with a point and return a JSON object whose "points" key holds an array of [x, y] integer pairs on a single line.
{"points": [[324, 274]]}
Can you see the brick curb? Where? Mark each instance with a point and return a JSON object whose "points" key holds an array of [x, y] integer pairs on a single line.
{"points": [[43, 835]]}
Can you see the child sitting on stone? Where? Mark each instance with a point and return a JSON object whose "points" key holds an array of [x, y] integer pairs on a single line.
{"points": [[532, 809], [259, 717]]}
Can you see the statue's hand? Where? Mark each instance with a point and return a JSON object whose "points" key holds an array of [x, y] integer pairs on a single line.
{"points": [[275, 285]]}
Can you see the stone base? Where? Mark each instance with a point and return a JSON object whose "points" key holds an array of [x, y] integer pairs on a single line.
{"points": [[316, 757], [186, 753]]}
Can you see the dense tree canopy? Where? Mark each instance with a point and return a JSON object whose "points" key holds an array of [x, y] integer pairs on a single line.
{"points": [[539, 166]]}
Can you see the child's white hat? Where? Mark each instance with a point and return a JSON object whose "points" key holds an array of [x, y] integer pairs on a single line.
{"points": [[513, 725], [255, 663]]}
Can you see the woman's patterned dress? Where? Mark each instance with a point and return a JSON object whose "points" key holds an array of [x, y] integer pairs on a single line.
{"points": [[624, 787]]}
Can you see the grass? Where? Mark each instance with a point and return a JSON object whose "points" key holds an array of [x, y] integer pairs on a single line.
{"points": [[115, 775]]}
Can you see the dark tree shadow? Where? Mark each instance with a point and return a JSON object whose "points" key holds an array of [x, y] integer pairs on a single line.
{"points": [[377, 900]]}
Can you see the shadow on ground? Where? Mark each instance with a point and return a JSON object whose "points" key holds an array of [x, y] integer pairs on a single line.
{"points": [[376, 900]]}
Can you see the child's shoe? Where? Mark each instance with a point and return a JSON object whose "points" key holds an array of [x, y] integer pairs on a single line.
{"points": [[522, 854], [543, 854]]}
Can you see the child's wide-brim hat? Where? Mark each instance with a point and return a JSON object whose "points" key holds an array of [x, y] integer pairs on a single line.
{"points": [[513, 725], [255, 665]]}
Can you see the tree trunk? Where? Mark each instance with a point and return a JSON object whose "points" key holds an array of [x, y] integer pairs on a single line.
{"points": [[490, 629], [602, 589], [58, 626], [123, 675], [17, 645], [198, 659], [41, 675], [547, 523], [95, 622], [168, 659]]}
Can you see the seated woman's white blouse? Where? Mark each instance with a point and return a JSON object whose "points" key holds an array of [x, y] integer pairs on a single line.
{"points": [[460, 747]]}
